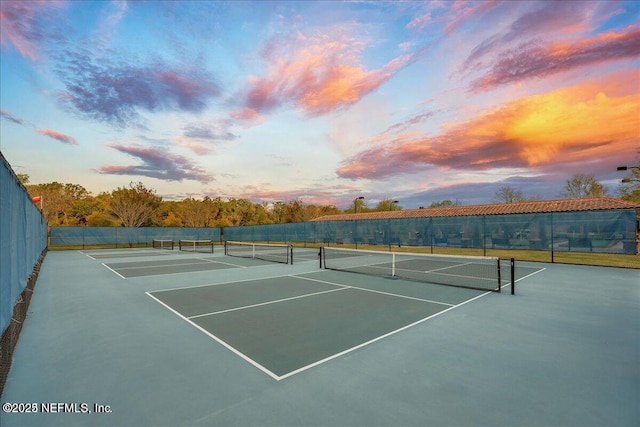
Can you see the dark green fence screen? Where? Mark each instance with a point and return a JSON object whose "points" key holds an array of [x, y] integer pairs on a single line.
{"points": [[612, 231], [23, 238], [23, 244], [127, 236]]}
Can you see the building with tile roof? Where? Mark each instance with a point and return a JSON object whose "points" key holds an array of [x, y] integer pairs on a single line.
{"points": [[603, 224], [600, 224], [527, 207]]}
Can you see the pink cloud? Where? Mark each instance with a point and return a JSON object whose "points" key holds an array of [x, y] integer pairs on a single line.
{"points": [[527, 21], [196, 146], [533, 61], [318, 195], [19, 25], [589, 120], [411, 121], [465, 10], [58, 136], [9, 116], [247, 116]]}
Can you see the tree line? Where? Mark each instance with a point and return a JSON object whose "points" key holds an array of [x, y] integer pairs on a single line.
{"points": [[136, 205]]}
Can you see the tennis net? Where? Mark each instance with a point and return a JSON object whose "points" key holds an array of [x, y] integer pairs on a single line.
{"points": [[265, 251], [162, 244], [474, 272], [204, 246]]}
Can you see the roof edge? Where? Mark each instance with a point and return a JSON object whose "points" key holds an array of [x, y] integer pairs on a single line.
{"points": [[526, 207]]}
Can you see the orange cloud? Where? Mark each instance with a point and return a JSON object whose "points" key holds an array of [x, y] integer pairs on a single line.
{"points": [[247, 116], [318, 74], [591, 120], [340, 85]]}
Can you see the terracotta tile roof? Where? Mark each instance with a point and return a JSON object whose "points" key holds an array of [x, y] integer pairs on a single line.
{"points": [[538, 206]]}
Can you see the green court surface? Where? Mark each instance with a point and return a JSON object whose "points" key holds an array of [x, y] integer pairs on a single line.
{"points": [[167, 338], [286, 324], [160, 267]]}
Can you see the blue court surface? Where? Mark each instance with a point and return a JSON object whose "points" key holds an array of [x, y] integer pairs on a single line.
{"points": [[156, 337]]}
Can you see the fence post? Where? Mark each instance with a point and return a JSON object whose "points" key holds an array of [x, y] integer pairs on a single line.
{"points": [[552, 239]]}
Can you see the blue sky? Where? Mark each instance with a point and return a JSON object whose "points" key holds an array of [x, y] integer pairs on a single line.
{"points": [[321, 101]]}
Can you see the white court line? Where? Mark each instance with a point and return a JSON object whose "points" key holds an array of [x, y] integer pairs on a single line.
{"points": [[210, 335], [168, 265], [435, 272], [529, 275], [199, 271], [234, 281], [116, 252], [113, 271], [230, 263], [304, 368], [378, 292], [342, 353], [443, 268], [268, 302], [508, 284]]}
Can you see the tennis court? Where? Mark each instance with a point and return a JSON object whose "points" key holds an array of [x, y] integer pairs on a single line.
{"points": [[169, 337], [287, 324]]}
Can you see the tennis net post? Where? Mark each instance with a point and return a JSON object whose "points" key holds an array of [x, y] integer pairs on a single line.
{"points": [[499, 276], [513, 276]]}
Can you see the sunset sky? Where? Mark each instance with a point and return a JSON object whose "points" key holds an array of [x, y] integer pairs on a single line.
{"points": [[321, 102]]}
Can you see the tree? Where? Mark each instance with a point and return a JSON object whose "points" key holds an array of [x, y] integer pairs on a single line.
{"points": [[135, 205], [294, 211], [58, 201], [193, 213], [581, 186], [507, 194], [359, 205], [328, 210], [171, 220], [314, 211], [237, 212], [277, 212], [630, 186], [82, 208], [387, 205], [101, 217], [445, 204]]}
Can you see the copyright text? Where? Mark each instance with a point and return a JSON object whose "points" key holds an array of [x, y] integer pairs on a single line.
{"points": [[55, 408]]}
